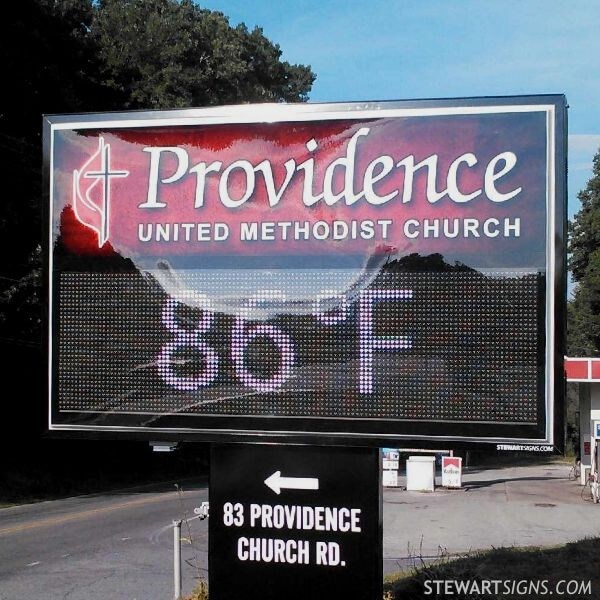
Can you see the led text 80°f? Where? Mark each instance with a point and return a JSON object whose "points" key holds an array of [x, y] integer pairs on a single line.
{"points": [[243, 334]]}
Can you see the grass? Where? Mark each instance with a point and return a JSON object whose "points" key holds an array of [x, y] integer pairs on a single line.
{"points": [[36, 485], [574, 561], [63, 468], [510, 459], [200, 591]]}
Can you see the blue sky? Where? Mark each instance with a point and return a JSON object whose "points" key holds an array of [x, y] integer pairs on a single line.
{"points": [[384, 50]]}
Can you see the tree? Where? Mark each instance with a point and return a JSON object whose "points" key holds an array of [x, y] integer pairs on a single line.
{"points": [[94, 55], [584, 246], [45, 58], [169, 54], [49, 64]]}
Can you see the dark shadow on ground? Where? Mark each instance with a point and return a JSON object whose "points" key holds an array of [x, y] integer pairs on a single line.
{"points": [[469, 485]]}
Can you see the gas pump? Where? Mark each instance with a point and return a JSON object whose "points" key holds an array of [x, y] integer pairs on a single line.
{"points": [[595, 470]]}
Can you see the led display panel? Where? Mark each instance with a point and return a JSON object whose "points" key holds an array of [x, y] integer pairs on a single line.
{"points": [[343, 273]]}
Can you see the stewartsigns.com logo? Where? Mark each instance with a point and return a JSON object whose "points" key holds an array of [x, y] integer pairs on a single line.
{"points": [[91, 191]]}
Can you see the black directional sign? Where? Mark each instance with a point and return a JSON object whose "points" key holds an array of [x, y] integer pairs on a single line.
{"points": [[294, 522]]}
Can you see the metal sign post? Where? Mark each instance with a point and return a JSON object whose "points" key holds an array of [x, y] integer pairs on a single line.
{"points": [[177, 559]]}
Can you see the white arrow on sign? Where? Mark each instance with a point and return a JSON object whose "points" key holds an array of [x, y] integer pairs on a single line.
{"points": [[276, 482]]}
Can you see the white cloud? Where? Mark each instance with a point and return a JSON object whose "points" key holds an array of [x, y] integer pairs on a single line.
{"points": [[584, 142]]}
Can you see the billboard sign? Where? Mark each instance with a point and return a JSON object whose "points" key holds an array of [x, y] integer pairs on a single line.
{"points": [[347, 273]]}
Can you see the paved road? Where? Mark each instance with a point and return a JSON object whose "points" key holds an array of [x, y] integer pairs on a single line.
{"points": [[113, 546], [518, 506], [119, 545]]}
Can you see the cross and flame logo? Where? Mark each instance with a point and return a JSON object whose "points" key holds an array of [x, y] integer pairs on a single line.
{"points": [[91, 191]]}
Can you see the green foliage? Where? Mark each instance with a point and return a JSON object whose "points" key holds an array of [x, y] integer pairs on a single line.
{"points": [[48, 66], [585, 229], [584, 246], [20, 316], [168, 54], [200, 591], [574, 561], [63, 56]]}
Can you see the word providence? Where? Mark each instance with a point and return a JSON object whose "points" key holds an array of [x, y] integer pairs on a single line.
{"points": [[246, 175]]}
